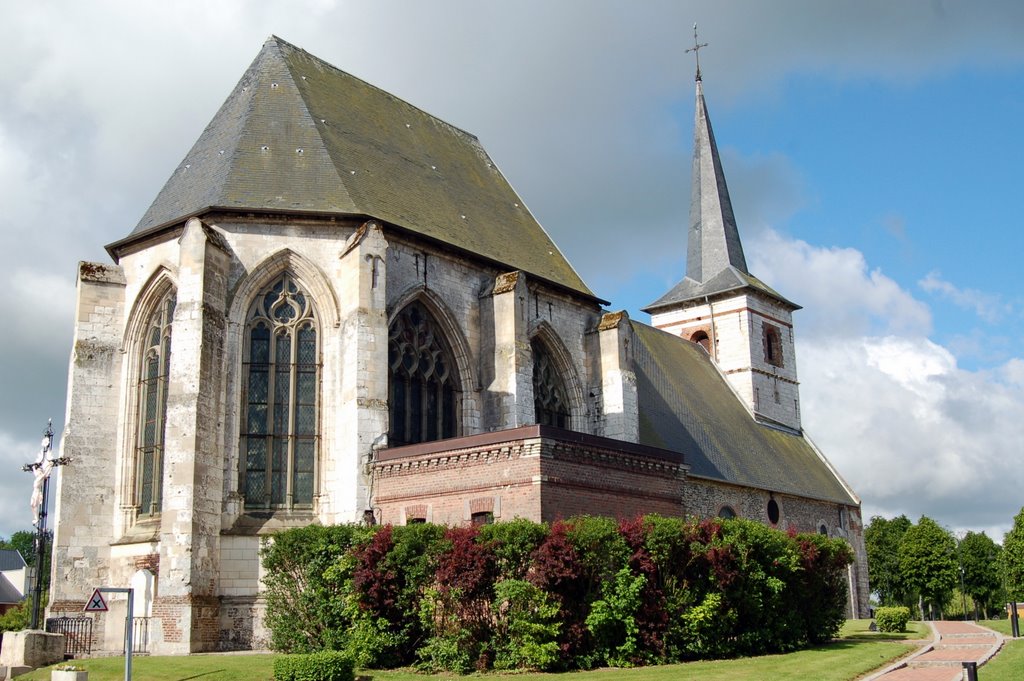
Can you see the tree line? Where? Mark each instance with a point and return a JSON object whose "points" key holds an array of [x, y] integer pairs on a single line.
{"points": [[926, 568]]}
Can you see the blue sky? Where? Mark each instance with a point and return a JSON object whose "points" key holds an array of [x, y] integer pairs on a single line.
{"points": [[920, 177], [873, 151]]}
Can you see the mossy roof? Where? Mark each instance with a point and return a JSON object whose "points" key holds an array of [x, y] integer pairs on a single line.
{"points": [[301, 136], [687, 406]]}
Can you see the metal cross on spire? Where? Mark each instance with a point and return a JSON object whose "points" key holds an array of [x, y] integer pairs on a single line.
{"points": [[696, 49]]}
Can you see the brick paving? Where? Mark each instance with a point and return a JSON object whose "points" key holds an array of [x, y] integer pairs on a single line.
{"points": [[940, 660]]}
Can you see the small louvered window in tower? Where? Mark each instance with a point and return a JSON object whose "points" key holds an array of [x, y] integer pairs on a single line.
{"points": [[772, 341], [280, 427]]}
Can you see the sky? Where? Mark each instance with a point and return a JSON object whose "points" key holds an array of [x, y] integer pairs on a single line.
{"points": [[873, 151]]}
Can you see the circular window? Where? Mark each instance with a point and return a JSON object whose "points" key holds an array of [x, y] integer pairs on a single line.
{"points": [[726, 513], [773, 511]]}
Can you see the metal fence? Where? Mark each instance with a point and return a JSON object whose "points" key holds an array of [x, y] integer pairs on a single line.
{"points": [[140, 635], [77, 634]]}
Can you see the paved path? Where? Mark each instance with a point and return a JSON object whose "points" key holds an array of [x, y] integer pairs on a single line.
{"points": [[941, 660]]}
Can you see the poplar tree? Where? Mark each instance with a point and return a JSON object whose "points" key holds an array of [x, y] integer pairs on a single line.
{"points": [[1013, 559], [928, 562]]}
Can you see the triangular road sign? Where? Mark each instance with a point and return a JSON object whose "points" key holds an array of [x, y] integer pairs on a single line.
{"points": [[96, 602]]}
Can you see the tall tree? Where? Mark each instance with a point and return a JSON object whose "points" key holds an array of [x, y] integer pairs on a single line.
{"points": [[24, 542], [1013, 559], [928, 562], [979, 557], [882, 541]]}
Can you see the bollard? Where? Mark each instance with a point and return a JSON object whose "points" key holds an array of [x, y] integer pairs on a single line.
{"points": [[1014, 620], [970, 671]]}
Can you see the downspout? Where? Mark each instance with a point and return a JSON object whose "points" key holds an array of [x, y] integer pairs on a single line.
{"points": [[714, 336]]}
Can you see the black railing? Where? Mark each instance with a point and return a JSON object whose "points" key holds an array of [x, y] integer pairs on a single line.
{"points": [[77, 634]]}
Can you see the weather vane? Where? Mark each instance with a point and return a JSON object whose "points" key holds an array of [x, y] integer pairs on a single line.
{"points": [[696, 49]]}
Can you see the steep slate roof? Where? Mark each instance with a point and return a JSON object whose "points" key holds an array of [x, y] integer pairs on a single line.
{"points": [[714, 255], [300, 135], [687, 406], [10, 559]]}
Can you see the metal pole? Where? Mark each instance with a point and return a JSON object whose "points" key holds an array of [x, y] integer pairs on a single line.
{"points": [[129, 637], [37, 590], [963, 596]]}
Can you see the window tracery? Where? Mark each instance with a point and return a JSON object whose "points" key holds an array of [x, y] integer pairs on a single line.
{"points": [[280, 428], [551, 406], [152, 395], [422, 381]]}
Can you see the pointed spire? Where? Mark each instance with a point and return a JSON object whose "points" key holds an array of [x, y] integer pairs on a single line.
{"points": [[714, 256], [714, 243]]}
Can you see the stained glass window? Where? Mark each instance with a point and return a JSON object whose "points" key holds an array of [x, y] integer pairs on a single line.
{"points": [[152, 395], [549, 398], [282, 374], [422, 385]]}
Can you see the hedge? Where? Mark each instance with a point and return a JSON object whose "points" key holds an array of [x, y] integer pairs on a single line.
{"points": [[892, 619], [575, 594], [322, 666]]}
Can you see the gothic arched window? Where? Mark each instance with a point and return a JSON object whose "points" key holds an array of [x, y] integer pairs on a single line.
{"points": [[152, 395], [422, 381], [551, 408], [279, 402]]}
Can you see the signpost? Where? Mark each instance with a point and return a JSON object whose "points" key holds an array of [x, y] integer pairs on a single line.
{"points": [[97, 603]]}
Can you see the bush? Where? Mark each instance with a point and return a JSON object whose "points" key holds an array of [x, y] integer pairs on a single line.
{"points": [[328, 665], [308, 575], [892, 619], [526, 628]]}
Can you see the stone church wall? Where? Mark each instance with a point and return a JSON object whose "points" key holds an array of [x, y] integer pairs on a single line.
{"points": [[706, 498]]}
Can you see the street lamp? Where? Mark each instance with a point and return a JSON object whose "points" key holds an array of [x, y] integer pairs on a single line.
{"points": [[963, 595]]}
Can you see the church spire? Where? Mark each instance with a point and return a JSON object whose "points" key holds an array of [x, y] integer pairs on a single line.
{"points": [[715, 263], [714, 242]]}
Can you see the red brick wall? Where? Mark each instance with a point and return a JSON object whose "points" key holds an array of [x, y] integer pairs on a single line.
{"points": [[535, 475]]}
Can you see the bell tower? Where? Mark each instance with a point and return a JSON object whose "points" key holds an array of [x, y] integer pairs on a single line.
{"points": [[746, 327]]}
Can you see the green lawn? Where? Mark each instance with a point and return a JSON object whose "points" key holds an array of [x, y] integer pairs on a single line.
{"points": [[1002, 626], [1007, 665], [839, 661]]}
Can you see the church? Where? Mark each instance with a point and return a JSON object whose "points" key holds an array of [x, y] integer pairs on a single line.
{"points": [[338, 310]]}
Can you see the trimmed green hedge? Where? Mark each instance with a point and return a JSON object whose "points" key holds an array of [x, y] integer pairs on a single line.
{"points": [[892, 619], [577, 594], [323, 666]]}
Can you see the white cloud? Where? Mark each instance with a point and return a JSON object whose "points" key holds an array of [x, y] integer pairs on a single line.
{"points": [[841, 295], [909, 429], [989, 307]]}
